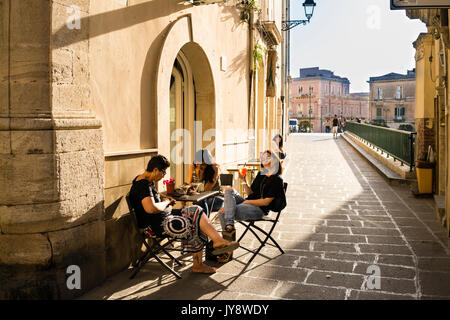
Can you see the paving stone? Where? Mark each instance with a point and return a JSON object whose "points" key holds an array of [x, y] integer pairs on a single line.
{"points": [[435, 283], [396, 260], [336, 279], [385, 240], [378, 224], [336, 247], [309, 292], [427, 248], [387, 249], [404, 286], [400, 213], [333, 230], [325, 264], [428, 297], [408, 222], [374, 295], [252, 285], [344, 223], [350, 257], [375, 231], [420, 233], [337, 217], [278, 273], [373, 219], [347, 238], [434, 264], [387, 271]]}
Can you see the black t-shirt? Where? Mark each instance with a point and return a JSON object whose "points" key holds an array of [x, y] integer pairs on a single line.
{"points": [[140, 190], [266, 187], [335, 122]]}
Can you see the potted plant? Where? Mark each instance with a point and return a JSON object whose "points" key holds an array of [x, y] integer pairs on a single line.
{"points": [[170, 186]]}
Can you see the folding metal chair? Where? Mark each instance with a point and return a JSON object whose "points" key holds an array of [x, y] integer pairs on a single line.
{"points": [[251, 226], [154, 248]]}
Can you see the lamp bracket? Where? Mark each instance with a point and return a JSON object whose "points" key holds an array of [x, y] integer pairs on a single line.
{"points": [[287, 25]]}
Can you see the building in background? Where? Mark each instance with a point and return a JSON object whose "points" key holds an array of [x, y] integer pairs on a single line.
{"points": [[392, 99], [320, 94]]}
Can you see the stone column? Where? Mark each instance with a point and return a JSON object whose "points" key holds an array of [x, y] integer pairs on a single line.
{"points": [[425, 93], [51, 153]]}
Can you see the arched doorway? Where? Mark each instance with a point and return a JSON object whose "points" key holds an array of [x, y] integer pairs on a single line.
{"points": [[185, 99], [192, 109], [182, 118]]}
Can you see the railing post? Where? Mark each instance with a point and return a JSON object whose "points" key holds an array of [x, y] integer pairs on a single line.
{"points": [[412, 163]]}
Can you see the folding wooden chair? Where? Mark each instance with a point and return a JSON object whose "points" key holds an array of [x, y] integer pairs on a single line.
{"points": [[251, 226], [153, 248]]}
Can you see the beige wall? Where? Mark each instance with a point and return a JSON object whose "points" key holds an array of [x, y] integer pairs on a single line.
{"points": [[124, 62]]}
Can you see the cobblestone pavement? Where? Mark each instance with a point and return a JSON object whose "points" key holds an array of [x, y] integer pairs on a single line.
{"points": [[341, 219]]}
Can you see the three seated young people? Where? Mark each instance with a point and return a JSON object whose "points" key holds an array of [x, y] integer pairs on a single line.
{"points": [[190, 224]]}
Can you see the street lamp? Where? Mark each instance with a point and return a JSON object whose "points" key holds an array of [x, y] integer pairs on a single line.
{"points": [[309, 11], [310, 108]]}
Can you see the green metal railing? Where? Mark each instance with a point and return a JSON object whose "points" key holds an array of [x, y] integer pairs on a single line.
{"points": [[397, 143]]}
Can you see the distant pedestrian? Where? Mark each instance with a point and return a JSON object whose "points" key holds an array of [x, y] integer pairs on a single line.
{"points": [[335, 124], [343, 124], [327, 126]]}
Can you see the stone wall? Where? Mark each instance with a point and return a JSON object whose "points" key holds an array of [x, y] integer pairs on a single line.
{"points": [[51, 155]]}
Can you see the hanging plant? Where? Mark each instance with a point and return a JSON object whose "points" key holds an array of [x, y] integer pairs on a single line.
{"points": [[248, 6], [258, 56]]}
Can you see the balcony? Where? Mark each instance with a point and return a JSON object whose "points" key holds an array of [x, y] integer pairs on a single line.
{"points": [[399, 119], [271, 33]]}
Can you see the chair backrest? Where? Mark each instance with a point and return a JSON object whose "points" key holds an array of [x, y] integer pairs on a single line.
{"points": [[226, 179], [285, 185], [132, 212]]}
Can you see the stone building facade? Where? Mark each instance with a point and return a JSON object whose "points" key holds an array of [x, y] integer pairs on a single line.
{"points": [[432, 102], [89, 91], [392, 99], [319, 94]]}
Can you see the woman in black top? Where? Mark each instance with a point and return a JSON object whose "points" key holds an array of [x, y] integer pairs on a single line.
{"points": [[267, 186], [190, 224]]}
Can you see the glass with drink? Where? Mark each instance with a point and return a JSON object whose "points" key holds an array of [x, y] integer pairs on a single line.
{"points": [[242, 173]]}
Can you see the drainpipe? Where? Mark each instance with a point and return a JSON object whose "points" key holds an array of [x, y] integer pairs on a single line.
{"points": [[252, 90]]}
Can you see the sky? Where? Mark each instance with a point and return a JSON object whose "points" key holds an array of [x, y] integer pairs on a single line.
{"points": [[356, 39]]}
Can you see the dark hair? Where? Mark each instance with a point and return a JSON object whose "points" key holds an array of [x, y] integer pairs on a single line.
{"points": [[203, 155], [280, 144], [275, 161], [208, 174], [159, 162]]}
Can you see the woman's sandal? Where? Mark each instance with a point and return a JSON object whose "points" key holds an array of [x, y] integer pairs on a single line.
{"points": [[224, 258], [226, 248]]}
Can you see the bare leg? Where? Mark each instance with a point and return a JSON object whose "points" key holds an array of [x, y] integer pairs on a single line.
{"points": [[211, 232], [199, 266]]}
